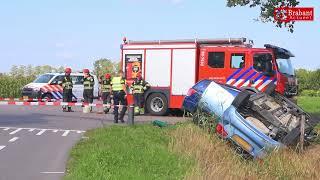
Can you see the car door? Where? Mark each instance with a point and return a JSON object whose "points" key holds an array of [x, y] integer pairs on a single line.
{"points": [[77, 90], [213, 64]]}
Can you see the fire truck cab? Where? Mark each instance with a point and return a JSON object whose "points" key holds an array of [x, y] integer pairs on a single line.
{"points": [[173, 66]]}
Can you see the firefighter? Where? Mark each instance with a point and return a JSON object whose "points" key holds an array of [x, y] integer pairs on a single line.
{"points": [[118, 86], [106, 92], [88, 83], [138, 87], [67, 86]]}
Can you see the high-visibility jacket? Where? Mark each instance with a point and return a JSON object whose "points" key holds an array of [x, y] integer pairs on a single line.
{"points": [[117, 83], [88, 82], [106, 85], [67, 82], [139, 86]]}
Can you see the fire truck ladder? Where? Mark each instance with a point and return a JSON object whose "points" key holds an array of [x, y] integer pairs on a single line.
{"points": [[214, 42]]}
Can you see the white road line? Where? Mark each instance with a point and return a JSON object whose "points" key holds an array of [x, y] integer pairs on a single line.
{"points": [[15, 131], [41, 132], [13, 139], [66, 133], [49, 172], [1, 147], [32, 129]]}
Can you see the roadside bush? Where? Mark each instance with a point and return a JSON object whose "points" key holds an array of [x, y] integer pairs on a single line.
{"points": [[313, 93], [308, 80], [10, 86]]}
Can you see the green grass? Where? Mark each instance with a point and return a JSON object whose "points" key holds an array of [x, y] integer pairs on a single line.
{"points": [[123, 152], [310, 104]]}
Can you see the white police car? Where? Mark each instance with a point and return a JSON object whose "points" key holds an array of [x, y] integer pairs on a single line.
{"points": [[46, 86]]}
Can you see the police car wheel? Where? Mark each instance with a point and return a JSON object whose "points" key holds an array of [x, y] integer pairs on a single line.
{"points": [[47, 96], [157, 104]]}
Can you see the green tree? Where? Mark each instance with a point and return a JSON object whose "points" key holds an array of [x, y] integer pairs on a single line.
{"points": [[102, 66], [267, 8]]}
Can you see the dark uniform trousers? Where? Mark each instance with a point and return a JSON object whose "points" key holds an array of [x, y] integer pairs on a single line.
{"points": [[67, 95], [88, 95], [106, 97], [119, 97]]}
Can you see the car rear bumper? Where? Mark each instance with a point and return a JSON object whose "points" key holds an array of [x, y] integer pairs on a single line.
{"points": [[31, 94], [235, 124]]}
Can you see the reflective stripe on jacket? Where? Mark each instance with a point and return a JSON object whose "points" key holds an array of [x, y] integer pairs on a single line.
{"points": [[88, 82], [67, 83], [139, 86], [106, 86]]}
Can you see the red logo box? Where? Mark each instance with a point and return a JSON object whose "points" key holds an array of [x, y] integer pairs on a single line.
{"points": [[286, 14]]}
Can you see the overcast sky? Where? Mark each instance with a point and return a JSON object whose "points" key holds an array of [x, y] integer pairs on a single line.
{"points": [[76, 32]]}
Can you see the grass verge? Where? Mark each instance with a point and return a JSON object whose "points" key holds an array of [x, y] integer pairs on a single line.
{"points": [[310, 104], [216, 160], [122, 152]]}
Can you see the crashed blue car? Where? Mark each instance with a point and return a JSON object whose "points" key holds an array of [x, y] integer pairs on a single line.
{"points": [[254, 121]]}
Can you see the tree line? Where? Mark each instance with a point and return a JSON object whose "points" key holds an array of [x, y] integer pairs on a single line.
{"points": [[100, 67], [308, 80]]}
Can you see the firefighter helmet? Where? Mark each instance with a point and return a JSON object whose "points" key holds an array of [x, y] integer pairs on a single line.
{"points": [[86, 71], [107, 76], [67, 70]]}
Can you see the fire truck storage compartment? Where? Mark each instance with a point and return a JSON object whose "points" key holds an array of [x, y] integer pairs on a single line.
{"points": [[158, 62], [183, 70]]}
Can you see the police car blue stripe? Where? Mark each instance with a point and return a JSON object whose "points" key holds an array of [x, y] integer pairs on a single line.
{"points": [[233, 74], [54, 95], [59, 94], [244, 73], [251, 75]]}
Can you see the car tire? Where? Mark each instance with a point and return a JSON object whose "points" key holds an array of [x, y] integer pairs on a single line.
{"points": [[242, 97], [47, 96], [157, 104]]}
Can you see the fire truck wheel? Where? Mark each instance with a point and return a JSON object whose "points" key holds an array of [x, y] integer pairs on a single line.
{"points": [[157, 104]]}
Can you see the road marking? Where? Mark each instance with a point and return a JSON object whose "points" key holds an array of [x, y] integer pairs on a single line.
{"points": [[13, 139], [41, 132], [66, 133], [6, 129], [15, 131], [56, 130], [49, 172], [30, 130], [1, 147]]}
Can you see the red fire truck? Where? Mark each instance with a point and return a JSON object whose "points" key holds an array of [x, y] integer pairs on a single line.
{"points": [[173, 66]]}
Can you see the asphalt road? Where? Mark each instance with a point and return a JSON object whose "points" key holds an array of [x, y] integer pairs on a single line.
{"points": [[35, 141]]}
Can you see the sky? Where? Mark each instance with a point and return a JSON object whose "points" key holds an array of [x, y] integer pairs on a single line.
{"points": [[75, 33]]}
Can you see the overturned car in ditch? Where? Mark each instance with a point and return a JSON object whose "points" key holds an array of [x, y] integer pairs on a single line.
{"points": [[256, 122]]}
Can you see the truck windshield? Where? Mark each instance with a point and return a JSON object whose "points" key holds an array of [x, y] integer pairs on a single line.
{"points": [[43, 78], [285, 66]]}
